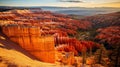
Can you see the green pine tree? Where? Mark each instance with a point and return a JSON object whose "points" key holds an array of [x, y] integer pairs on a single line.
{"points": [[90, 52], [115, 57], [84, 56], [100, 55]]}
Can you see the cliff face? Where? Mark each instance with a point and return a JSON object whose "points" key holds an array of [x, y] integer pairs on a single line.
{"points": [[31, 40], [12, 55]]}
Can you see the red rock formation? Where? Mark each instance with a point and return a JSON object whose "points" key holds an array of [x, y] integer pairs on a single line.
{"points": [[74, 45], [31, 40], [110, 35], [67, 48]]}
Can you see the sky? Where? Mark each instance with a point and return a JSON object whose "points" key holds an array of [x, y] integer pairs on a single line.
{"points": [[62, 3]]}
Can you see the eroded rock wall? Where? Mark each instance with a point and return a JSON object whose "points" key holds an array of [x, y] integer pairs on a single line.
{"points": [[29, 38]]}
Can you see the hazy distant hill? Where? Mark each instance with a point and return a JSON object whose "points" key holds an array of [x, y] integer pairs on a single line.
{"points": [[82, 10], [105, 20], [69, 10]]}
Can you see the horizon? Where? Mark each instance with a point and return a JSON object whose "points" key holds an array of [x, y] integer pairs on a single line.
{"points": [[56, 7]]}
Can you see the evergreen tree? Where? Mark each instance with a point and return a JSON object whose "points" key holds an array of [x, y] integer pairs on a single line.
{"points": [[100, 55], [84, 56], [90, 52], [115, 57]]}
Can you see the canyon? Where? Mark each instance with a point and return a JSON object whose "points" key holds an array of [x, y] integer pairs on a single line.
{"points": [[52, 37]]}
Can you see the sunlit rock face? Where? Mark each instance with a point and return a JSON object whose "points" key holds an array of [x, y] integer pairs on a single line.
{"points": [[31, 40]]}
